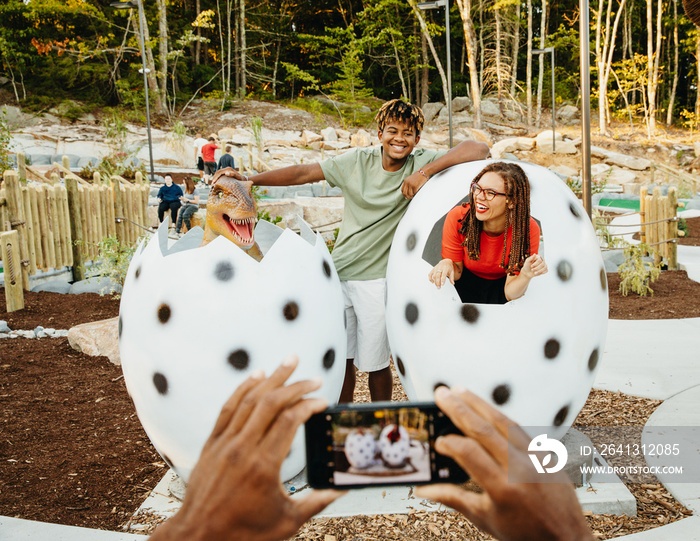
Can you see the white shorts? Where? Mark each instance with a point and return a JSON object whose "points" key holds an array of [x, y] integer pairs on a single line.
{"points": [[365, 324]]}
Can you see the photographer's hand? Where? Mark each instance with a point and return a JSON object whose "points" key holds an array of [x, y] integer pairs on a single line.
{"points": [[235, 491], [507, 510]]}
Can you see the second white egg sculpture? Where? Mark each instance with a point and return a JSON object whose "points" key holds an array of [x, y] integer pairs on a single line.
{"points": [[535, 357], [195, 322]]}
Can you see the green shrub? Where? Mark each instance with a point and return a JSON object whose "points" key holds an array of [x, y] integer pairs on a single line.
{"points": [[112, 261], [635, 273]]}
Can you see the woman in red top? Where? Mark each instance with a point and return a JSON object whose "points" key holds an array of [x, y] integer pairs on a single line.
{"points": [[490, 244]]}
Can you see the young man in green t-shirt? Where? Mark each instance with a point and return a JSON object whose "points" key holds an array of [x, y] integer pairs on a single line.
{"points": [[377, 185]]}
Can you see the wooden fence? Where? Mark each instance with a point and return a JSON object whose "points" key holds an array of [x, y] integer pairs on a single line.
{"points": [[659, 224], [60, 224]]}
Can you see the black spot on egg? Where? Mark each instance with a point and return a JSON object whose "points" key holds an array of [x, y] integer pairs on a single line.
{"points": [[239, 359], [160, 382], [326, 269], [329, 359], [138, 272], [411, 313], [290, 311], [603, 280], [593, 360], [574, 210], [163, 313], [119, 328], [411, 242], [400, 366], [470, 313], [439, 384], [551, 348], [501, 394], [223, 271], [561, 415], [564, 270]]}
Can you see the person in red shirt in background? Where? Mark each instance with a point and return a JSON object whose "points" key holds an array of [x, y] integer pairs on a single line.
{"points": [[208, 152], [490, 244]]}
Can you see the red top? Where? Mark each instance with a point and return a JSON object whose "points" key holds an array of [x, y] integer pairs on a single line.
{"points": [[489, 263], [208, 152]]}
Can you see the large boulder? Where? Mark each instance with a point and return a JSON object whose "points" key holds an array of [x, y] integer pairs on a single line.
{"points": [[490, 107], [308, 137], [461, 103], [360, 139], [329, 134], [567, 113], [621, 160], [431, 110], [99, 338]]}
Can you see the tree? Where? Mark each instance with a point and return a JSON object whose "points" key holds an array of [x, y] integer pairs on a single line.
{"points": [[465, 7]]}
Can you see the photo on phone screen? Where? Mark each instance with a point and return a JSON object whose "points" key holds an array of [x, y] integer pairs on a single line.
{"points": [[377, 444]]}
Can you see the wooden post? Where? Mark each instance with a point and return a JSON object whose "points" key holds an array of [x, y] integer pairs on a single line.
{"points": [[673, 229], [65, 227], [36, 225], [658, 213], [21, 166], [58, 239], [9, 246], [66, 162], [75, 228], [30, 230], [118, 209], [17, 221], [46, 224], [642, 213]]}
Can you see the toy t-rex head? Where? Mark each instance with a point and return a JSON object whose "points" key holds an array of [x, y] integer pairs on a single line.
{"points": [[231, 210]]}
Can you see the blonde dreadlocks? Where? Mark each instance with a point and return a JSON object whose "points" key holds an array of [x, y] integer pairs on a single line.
{"points": [[400, 111], [517, 193]]}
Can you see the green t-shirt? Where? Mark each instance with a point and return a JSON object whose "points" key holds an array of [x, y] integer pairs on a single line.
{"points": [[374, 206]]}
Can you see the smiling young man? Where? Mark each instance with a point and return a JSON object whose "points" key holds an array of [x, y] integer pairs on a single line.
{"points": [[377, 185]]}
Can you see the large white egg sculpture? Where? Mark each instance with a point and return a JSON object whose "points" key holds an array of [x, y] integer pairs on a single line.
{"points": [[195, 322], [535, 357]]}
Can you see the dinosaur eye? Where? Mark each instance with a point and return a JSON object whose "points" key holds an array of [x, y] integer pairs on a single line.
{"points": [[221, 195]]}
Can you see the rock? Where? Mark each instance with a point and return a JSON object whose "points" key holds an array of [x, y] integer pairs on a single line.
{"points": [[96, 284], [511, 144], [600, 170], [4, 327], [696, 147], [615, 158], [567, 113], [308, 137], [475, 134], [561, 147], [620, 176], [343, 135], [545, 138], [99, 338], [55, 286], [564, 171], [360, 139], [39, 332], [431, 110], [490, 107], [461, 103], [226, 134], [334, 145], [14, 116], [574, 441], [329, 134]]}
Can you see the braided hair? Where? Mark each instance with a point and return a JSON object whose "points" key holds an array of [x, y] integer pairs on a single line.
{"points": [[400, 111], [518, 218]]}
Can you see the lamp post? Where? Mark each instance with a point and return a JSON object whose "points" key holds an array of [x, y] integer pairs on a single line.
{"points": [[435, 5], [585, 106], [545, 51], [131, 4]]}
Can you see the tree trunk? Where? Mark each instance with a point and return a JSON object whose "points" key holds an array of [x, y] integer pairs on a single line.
{"points": [[150, 65], [482, 48], [424, 30], [222, 56], [528, 76], [499, 79], [697, 79], [241, 14], [424, 87], [163, 49], [277, 63], [470, 37], [602, 125], [404, 88], [516, 50], [672, 99], [540, 81], [198, 43]]}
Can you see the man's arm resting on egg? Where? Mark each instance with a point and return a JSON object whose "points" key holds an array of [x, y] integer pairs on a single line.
{"points": [[289, 176]]}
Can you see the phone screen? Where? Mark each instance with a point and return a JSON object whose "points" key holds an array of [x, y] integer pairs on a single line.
{"points": [[375, 445]]}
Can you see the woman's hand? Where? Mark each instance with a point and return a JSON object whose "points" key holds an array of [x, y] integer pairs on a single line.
{"points": [[534, 266], [445, 270]]}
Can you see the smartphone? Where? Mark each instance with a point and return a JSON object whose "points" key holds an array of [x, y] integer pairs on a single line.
{"points": [[379, 444]]}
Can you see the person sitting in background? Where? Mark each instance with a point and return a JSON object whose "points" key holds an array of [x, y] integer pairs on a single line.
{"points": [[235, 492], [226, 159], [190, 204], [169, 199]]}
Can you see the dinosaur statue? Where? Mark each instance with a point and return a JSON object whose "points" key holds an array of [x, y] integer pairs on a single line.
{"points": [[231, 212]]}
